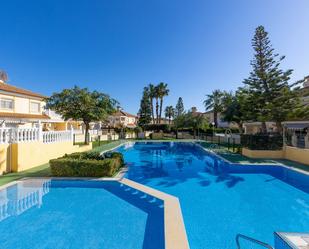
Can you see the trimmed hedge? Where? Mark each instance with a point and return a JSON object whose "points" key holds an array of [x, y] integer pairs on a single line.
{"points": [[87, 164]]}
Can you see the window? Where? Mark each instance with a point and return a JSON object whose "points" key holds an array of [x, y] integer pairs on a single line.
{"points": [[7, 104], [34, 107]]}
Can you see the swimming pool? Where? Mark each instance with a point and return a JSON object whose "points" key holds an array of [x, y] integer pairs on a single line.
{"points": [[79, 214], [218, 199]]}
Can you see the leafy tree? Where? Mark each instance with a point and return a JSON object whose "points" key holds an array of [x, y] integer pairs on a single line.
{"points": [[169, 113], [145, 109], [235, 108], [179, 122], [213, 102], [196, 122], [179, 109], [162, 91], [270, 95], [81, 104]]}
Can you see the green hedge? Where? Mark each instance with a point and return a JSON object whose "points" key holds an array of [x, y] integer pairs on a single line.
{"points": [[87, 164], [158, 135]]}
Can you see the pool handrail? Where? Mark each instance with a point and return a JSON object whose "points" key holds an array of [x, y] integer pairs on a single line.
{"points": [[238, 236]]}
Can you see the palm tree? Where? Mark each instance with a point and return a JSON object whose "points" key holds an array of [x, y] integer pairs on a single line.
{"points": [[214, 102], [169, 113], [162, 91], [152, 94]]}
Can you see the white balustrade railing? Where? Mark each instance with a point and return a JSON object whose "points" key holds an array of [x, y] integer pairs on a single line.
{"points": [[5, 135], [23, 135], [56, 136]]}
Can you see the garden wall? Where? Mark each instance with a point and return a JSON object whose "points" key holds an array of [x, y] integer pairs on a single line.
{"points": [[4, 158], [291, 153], [297, 154], [28, 155]]}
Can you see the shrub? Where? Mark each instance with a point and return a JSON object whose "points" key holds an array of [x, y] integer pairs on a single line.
{"points": [[157, 127], [158, 135], [87, 164], [115, 155]]}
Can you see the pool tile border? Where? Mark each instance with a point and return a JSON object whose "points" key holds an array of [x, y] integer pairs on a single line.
{"points": [[174, 228]]}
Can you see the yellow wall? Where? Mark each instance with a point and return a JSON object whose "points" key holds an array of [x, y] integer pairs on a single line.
{"points": [[263, 153], [288, 152], [4, 158], [29, 155], [296, 154]]}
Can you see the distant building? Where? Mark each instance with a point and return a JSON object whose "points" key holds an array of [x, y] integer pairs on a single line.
{"points": [[122, 119], [210, 117]]}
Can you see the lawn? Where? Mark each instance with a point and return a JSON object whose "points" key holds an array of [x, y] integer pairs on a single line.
{"points": [[44, 170]]}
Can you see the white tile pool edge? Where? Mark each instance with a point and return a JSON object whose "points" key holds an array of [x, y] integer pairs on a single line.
{"points": [[174, 228]]}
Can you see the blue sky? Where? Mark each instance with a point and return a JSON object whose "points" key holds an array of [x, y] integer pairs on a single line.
{"points": [[120, 46]]}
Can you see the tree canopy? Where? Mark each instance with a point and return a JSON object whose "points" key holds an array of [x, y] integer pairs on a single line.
{"points": [[179, 109], [270, 95], [214, 103], [169, 113], [81, 104], [145, 113]]}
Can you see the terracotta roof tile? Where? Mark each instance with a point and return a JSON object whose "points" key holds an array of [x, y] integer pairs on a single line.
{"points": [[13, 89], [22, 115]]}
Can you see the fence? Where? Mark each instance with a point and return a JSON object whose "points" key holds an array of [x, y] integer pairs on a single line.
{"points": [[262, 142], [17, 135]]}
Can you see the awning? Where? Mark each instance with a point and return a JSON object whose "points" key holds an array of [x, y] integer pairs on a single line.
{"points": [[296, 126]]}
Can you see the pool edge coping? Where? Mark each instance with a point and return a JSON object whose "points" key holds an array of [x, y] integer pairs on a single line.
{"points": [[174, 228], [253, 164]]}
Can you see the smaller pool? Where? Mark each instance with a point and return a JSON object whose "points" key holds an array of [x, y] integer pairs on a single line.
{"points": [[79, 214]]}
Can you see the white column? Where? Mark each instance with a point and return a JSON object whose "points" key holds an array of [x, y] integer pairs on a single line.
{"points": [[294, 140], [72, 134]]}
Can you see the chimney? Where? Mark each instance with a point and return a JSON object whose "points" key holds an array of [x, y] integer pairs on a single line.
{"points": [[306, 82], [193, 109]]}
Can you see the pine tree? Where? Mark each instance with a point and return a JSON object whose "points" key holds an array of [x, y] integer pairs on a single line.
{"points": [[270, 95], [179, 109], [145, 115]]}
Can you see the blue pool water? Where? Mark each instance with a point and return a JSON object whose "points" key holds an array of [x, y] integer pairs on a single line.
{"points": [[218, 199], [79, 214]]}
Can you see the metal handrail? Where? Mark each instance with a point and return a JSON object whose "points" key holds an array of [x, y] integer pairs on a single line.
{"points": [[238, 236]]}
